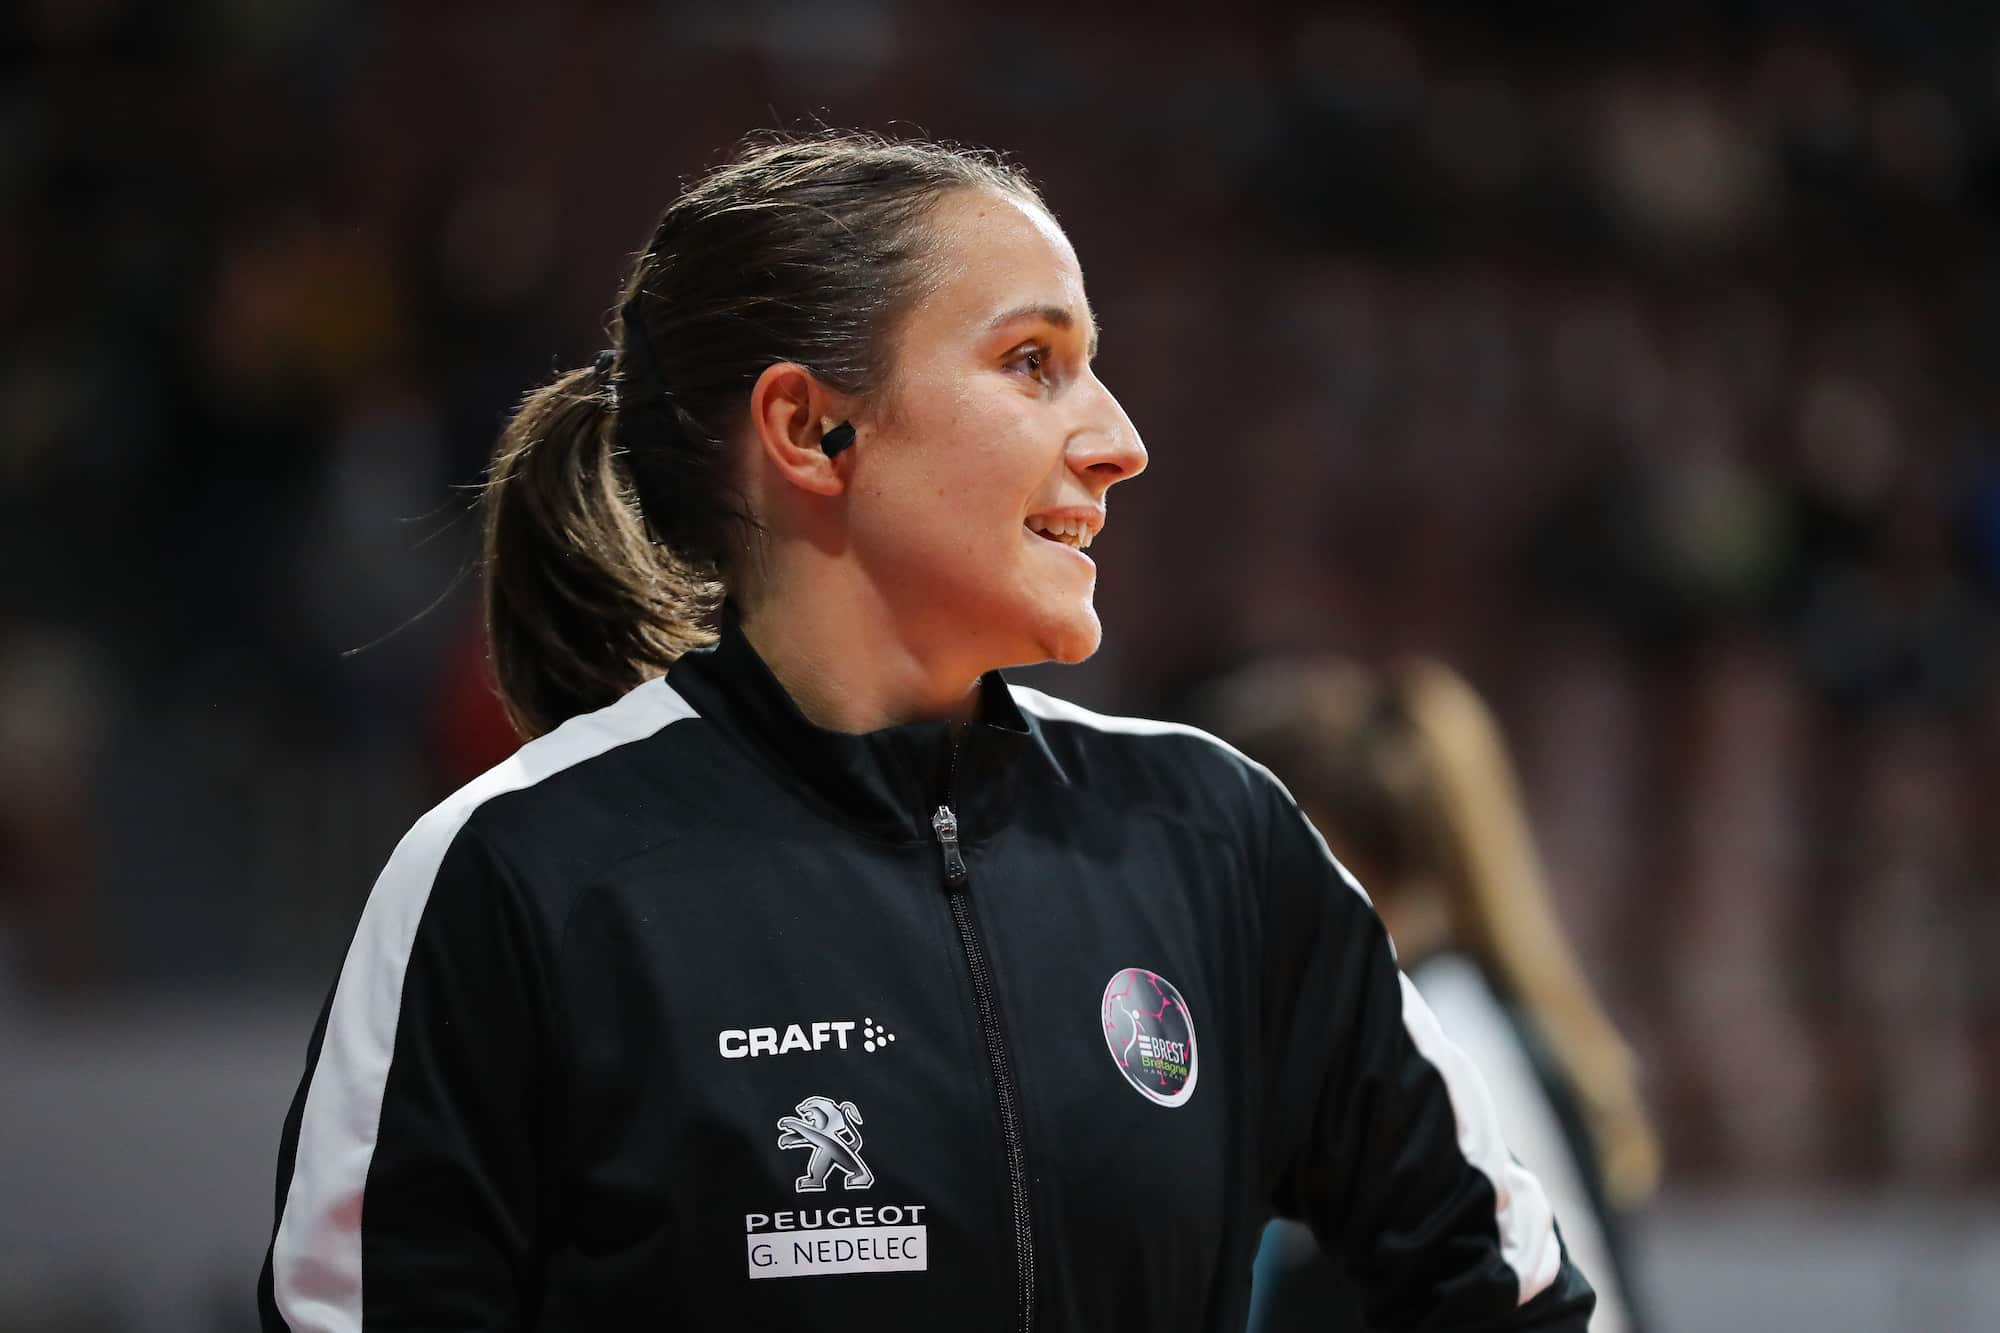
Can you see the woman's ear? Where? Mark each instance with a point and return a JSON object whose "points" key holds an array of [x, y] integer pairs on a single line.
{"points": [[798, 422]]}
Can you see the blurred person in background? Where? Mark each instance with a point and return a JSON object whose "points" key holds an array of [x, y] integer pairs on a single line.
{"points": [[1406, 774], [750, 577]]}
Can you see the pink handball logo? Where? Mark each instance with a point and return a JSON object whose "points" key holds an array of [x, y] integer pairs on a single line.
{"points": [[1150, 1034]]}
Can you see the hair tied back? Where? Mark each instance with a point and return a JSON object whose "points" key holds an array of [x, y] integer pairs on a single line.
{"points": [[600, 374]]}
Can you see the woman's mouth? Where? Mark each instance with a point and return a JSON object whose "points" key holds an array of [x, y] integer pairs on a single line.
{"points": [[1073, 532]]}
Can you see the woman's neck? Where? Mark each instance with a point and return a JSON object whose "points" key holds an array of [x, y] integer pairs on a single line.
{"points": [[846, 665]]}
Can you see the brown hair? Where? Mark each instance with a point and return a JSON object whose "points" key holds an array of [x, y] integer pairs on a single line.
{"points": [[1411, 772], [612, 517]]}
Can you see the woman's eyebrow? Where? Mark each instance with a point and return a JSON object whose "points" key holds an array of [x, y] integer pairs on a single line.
{"points": [[1058, 315]]}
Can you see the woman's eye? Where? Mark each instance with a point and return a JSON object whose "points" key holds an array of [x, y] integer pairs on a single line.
{"points": [[1034, 360]]}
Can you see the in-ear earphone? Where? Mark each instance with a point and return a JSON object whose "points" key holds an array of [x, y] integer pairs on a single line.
{"points": [[838, 438]]}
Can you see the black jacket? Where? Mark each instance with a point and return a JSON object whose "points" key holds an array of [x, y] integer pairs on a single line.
{"points": [[694, 1015]]}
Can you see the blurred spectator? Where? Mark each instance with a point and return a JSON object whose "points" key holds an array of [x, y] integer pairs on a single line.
{"points": [[1406, 774]]}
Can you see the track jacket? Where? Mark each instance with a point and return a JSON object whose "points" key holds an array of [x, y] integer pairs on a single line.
{"points": [[694, 1015]]}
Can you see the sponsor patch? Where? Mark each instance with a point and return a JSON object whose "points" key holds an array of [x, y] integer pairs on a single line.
{"points": [[1150, 1034], [851, 1238]]}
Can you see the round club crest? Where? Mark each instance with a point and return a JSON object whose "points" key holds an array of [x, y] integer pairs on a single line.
{"points": [[1150, 1034]]}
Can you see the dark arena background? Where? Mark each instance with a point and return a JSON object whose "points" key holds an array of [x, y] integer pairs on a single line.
{"points": [[1639, 360]]}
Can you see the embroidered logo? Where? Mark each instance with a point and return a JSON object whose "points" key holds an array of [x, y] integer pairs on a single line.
{"points": [[827, 1128], [1150, 1034]]}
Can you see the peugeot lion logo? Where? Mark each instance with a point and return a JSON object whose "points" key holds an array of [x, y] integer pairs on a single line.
{"points": [[828, 1128]]}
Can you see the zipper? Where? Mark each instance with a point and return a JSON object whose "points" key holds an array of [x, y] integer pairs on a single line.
{"points": [[945, 824], [957, 881]]}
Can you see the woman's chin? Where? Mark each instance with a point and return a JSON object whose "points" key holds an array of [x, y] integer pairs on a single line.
{"points": [[1072, 635]]}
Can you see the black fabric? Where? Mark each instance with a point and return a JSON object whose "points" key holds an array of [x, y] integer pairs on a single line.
{"points": [[885, 783], [566, 1140]]}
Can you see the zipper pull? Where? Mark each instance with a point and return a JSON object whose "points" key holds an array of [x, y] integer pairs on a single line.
{"points": [[945, 824]]}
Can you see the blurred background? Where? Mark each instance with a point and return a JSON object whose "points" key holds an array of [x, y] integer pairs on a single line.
{"points": [[1637, 360]]}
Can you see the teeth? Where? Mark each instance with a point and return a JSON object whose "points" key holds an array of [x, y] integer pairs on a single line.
{"points": [[1070, 531]]}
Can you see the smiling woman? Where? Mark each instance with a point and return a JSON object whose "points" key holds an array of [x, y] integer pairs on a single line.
{"points": [[786, 860]]}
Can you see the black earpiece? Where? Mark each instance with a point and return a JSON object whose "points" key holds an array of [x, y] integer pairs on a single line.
{"points": [[837, 439]]}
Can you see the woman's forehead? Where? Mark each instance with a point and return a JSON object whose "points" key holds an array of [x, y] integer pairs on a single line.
{"points": [[1002, 255]]}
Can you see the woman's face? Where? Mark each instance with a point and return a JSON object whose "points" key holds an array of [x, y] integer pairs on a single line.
{"points": [[994, 439]]}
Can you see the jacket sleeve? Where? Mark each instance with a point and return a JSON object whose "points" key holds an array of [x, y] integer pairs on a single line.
{"points": [[409, 1178], [1382, 1136]]}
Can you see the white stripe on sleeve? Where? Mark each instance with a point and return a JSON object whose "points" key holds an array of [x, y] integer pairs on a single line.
{"points": [[316, 1253], [1467, 1008], [1526, 1224]]}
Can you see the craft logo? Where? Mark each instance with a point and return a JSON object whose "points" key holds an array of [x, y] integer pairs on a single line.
{"points": [[880, 1238], [749, 1043], [1150, 1034]]}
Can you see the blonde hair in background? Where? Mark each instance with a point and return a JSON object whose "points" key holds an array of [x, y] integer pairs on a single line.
{"points": [[1510, 920]]}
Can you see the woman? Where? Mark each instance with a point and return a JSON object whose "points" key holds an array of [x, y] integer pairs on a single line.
{"points": [[1406, 774], [826, 980]]}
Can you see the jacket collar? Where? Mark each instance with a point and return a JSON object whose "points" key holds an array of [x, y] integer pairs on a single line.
{"points": [[886, 783]]}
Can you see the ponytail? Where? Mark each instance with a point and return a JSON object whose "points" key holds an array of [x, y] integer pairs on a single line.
{"points": [[582, 603]]}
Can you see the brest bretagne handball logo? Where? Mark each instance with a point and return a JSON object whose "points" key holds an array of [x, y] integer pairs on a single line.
{"points": [[1150, 1034]]}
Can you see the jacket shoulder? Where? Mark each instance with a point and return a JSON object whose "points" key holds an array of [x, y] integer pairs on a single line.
{"points": [[1142, 760], [573, 796]]}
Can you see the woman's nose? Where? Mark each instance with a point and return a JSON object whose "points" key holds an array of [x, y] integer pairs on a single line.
{"points": [[1109, 450]]}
